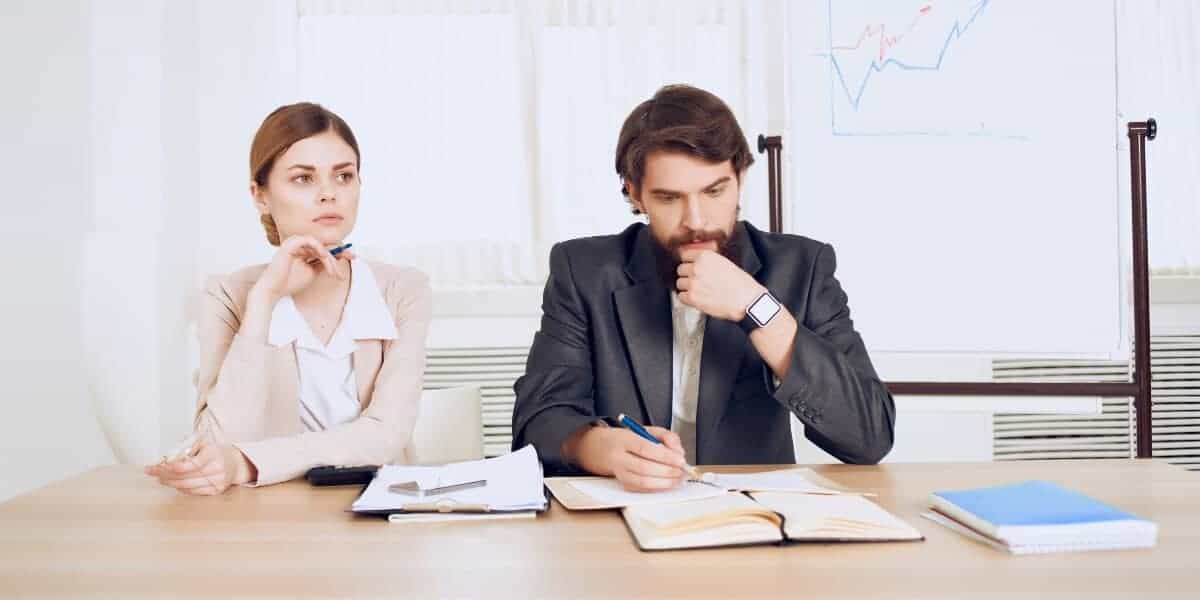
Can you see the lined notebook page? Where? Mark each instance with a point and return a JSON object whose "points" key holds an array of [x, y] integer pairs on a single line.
{"points": [[841, 517]]}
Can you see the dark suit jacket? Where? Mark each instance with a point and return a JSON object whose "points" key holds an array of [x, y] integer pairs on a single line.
{"points": [[604, 348]]}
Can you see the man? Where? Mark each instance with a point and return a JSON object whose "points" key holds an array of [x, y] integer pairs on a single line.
{"points": [[700, 326]]}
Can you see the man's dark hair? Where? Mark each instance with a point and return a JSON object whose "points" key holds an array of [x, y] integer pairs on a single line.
{"points": [[680, 118]]}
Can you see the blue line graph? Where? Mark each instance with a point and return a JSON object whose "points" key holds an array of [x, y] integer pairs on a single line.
{"points": [[855, 97], [854, 91]]}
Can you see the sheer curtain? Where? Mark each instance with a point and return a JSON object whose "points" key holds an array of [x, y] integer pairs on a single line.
{"points": [[596, 61], [488, 128], [436, 102], [1158, 75]]}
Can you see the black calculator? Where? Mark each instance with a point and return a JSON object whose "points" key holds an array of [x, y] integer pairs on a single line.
{"points": [[330, 475]]}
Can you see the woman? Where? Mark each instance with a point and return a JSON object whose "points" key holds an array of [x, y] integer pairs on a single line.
{"points": [[312, 359]]}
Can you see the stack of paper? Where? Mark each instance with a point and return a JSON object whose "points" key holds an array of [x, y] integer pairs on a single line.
{"points": [[514, 483], [1037, 517]]}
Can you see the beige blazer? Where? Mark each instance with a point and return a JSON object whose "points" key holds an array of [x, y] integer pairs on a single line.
{"points": [[249, 390]]}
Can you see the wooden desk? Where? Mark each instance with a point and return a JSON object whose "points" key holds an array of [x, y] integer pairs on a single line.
{"points": [[116, 533]]}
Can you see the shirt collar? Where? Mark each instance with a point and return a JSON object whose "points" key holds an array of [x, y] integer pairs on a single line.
{"points": [[365, 316]]}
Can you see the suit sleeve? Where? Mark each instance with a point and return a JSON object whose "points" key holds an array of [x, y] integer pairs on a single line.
{"points": [[830, 384], [231, 381], [554, 398]]}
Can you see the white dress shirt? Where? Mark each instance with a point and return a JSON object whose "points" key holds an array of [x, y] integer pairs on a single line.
{"points": [[688, 326], [328, 390]]}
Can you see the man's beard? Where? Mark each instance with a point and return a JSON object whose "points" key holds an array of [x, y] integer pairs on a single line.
{"points": [[667, 255]]}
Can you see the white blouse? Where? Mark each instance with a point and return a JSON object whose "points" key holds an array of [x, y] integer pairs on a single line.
{"points": [[328, 389]]}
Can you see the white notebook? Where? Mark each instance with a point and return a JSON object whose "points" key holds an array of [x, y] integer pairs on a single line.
{"points": [[514, 483]]}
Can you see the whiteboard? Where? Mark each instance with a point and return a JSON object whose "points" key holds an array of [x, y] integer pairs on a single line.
{"points": [[961, 157]]}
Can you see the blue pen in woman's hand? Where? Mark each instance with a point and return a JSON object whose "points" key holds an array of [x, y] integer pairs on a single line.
{"points": [[637, 428]]}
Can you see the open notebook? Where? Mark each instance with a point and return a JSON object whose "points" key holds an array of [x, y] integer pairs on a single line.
{"points": [[733, 519]]}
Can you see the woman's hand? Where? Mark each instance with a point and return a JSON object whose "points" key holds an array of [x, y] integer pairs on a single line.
{"points": [[295, 266], [206, 470]]}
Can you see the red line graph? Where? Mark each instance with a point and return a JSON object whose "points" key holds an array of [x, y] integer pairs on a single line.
{"points": [[886, 42]]}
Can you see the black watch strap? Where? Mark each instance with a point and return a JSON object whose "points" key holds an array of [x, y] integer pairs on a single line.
{"points": [[760, 312]]}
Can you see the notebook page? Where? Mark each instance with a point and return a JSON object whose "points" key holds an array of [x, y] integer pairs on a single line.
{"points": [[698, 513], [849, 517], [726, 520]]}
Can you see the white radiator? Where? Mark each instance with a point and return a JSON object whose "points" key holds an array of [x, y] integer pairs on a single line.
{"points": [[493, 371], [1175, 362]]}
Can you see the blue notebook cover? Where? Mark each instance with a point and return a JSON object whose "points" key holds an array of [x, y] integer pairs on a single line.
{"points": [[1033, 503]]}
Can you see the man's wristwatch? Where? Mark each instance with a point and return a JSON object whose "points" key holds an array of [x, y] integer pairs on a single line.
{"points": [[760, 312]]}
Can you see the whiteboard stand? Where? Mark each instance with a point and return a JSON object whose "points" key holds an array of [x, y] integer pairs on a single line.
{"points": [[1139, 388]]}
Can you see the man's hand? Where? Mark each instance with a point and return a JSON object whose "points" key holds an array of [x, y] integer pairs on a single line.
{"points": [[639, 464], [715, 286]]}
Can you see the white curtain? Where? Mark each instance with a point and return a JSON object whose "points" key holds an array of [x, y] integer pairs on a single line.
{"points": [[1158, 75], [488, 128], [177, 90]]}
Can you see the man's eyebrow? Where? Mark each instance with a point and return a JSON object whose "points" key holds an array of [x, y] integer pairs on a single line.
{"points": [[664, 192], [718, 182]]}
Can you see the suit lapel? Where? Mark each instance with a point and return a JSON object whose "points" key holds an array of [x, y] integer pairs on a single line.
{"points": [[368, 357], [283, 407], [644, 312], [725, 345]]}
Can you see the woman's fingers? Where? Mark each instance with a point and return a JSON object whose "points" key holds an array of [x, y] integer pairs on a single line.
{"points": [[206, 463], [317, 250], [192, 484]]}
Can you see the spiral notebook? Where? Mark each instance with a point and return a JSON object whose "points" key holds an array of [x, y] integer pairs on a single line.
{"points": [[1037, 517]]}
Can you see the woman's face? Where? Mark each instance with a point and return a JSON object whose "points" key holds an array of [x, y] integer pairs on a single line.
{"points": [[312, 189]]}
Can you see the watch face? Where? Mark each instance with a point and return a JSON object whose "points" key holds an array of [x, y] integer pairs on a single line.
{"points": [[763, 309]]}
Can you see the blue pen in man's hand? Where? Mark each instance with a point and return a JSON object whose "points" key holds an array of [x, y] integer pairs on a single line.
{"points": [[637, 428]]}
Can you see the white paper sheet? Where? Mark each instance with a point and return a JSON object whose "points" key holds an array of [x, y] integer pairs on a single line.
{"points": [[610, 492], [790, 480], [514, 483]]}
